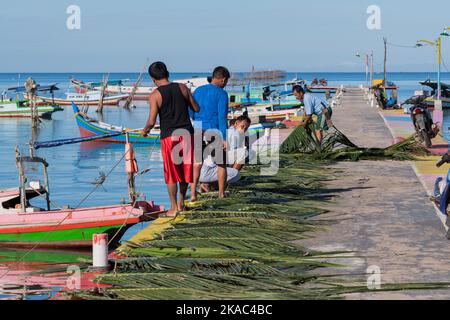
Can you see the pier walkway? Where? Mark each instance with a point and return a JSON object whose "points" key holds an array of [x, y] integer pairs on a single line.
{"points": [[382, 212]]}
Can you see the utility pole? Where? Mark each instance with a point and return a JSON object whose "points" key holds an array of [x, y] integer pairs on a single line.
{"points": [[385, 62], [367, 70], [439, 68], [371, 70]]}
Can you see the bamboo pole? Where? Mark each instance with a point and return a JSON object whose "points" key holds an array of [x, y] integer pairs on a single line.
{"points": [[102, 94], [22, 191], [133, 91], [131, 180]]}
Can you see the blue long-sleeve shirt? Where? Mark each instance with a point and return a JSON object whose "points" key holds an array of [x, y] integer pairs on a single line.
{"points": [[213, 103]]}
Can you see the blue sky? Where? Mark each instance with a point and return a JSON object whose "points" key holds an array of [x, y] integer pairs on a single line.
{"points": [[196, 35]]}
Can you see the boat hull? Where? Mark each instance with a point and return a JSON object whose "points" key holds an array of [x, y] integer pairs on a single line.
{"points": [[431, 103], [277, 115], [63, 102], [143, 92], [89, 129], [12, 110], [76, 238], [71, 228]]}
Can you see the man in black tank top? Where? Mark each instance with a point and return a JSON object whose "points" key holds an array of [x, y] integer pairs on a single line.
{"points": [[171, 101]]}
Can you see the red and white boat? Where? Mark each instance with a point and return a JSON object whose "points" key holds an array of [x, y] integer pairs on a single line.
{"points": [[143, 92], [90, 98], [23, 224]]}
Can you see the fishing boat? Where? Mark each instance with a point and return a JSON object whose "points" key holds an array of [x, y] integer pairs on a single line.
{"points": [[266, 112], [262, 97], [90, 127], [143, 92], [445, 93], [21, 108], [90, 98], [23, 224]]}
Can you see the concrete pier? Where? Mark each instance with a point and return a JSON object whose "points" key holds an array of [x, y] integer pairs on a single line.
{"points": [[382, 213]]}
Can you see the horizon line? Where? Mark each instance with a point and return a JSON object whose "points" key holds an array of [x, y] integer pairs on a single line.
{"points": [[178, 72]]}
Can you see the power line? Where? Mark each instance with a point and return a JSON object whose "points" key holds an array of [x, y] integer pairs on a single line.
{"points": [[401, 46], [444, 64]]}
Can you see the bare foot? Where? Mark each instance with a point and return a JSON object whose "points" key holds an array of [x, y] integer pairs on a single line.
{"points": [[181, 206], [171, 213], [193, 199], [204, 188]]}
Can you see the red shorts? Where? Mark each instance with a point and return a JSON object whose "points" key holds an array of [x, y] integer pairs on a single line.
{"points": [[178, 158]]}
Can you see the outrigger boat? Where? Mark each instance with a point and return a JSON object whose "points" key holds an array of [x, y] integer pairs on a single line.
{"points": [[141, 92], [256, 111], [263, 99], [91, 98], [445, 94], [25, 225], [91, 127], [117, 134], [21, 108]]}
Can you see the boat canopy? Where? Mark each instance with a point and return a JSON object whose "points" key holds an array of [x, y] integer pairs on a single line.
{"points": [[434, 85], [47, 88], [110, 83]]}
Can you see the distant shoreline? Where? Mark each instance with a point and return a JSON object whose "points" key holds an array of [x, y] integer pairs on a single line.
{"points": [[202, 72]]}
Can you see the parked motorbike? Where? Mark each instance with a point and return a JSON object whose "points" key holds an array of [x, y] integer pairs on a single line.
{"points": [[422, 120], [441, 195]]}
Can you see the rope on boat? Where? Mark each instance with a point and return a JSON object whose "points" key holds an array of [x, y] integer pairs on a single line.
{"points": [[37, 243], [89, 194], [135, 201]]}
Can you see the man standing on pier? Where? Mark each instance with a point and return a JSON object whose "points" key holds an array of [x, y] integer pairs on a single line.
{"points": [[213, 115], [171, 101], [314, 106]]}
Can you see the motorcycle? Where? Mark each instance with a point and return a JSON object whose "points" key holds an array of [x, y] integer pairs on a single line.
{"points": [[422, 120], [441, 195]]}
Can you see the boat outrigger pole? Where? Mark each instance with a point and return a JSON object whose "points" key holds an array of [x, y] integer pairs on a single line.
{"points": [[56, 143], [131, 168]]}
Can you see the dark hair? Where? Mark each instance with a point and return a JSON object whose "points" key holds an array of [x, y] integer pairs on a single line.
{"points": [[158, 71], [221, 73], [298, 88], [245, 118]]}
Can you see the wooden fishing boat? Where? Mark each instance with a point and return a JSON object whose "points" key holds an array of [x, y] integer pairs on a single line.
{"points": [[88, 98], [262, 97], [117, 134], [257, 111], [143, 92], [445, 94], [91, 127], [22, 109], [25, 225]]}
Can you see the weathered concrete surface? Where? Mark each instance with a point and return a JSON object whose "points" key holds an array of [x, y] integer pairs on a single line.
{"points": [[382, 213]]}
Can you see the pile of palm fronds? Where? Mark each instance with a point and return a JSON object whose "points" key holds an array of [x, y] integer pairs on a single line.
{"points": [[241, 247], [336, 146]]}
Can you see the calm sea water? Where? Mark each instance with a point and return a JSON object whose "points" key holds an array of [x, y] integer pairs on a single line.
{"points": [[73, 168]]}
